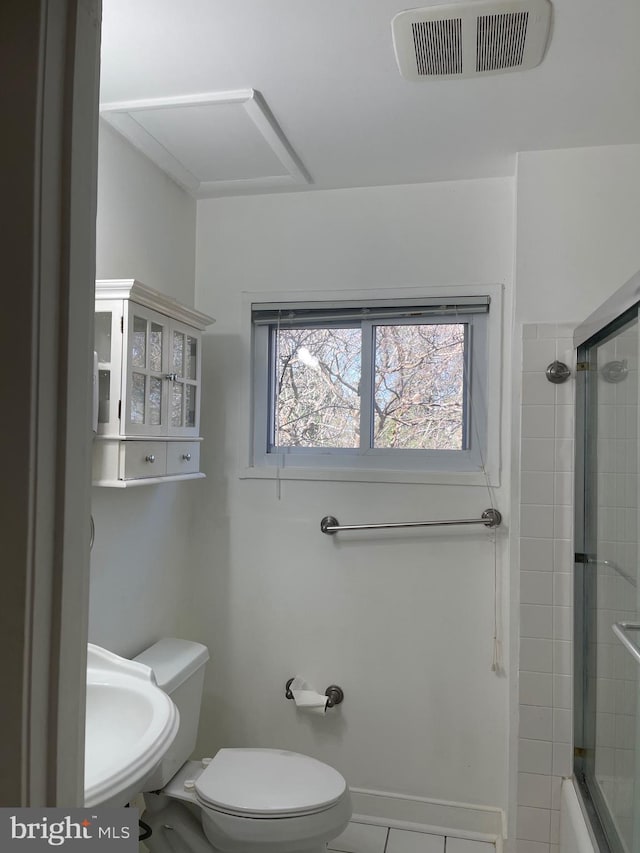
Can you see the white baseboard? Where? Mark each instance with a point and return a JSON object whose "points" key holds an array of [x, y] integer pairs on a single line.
{"points": [[484, 823]]}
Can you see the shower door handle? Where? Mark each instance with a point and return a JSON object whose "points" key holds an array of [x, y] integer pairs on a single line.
{"points": [[621, 630]]}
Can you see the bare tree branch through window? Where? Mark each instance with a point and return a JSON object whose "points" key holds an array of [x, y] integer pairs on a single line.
{"points": [[417, 392]]}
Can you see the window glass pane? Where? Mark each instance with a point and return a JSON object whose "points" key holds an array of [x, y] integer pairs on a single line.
{"points": [[138, 381], [103, 336], [155, 401], [177, 353], [176, 404], [419, 386], [190, 413], [191, 358], [139, 342], [155, 347], [317, 378]]}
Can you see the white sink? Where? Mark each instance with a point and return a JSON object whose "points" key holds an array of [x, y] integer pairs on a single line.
{"points": [[130, 724]]}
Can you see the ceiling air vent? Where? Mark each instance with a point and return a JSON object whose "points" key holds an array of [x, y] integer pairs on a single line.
{"points": [[471, 39], [438, 46]]}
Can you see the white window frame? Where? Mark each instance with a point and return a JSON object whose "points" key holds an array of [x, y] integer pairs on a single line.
{"points": [[379, 465]]}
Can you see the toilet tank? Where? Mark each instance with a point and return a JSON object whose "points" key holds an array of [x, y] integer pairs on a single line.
{"points": [[178, 666]]}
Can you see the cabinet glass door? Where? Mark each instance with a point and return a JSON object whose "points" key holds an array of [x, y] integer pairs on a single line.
{"points": [[107, 347], [146, 403], [185, 387]]}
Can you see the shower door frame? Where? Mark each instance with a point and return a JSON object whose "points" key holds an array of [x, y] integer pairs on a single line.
{"points": [[612, 315]]}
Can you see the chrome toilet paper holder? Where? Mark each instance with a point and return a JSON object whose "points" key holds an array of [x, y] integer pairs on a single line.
{"points": [[334, 694]]}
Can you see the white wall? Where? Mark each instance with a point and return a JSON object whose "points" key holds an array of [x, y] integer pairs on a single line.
{"points": [[403, 623], [577, 230], [145, 230], [146, 222]]}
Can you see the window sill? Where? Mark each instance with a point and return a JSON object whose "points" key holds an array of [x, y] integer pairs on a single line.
{"points": [[345, 475]]}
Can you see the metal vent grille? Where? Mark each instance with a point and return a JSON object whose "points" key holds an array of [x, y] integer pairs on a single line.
{"points": [[438, 46], [500, 41]]}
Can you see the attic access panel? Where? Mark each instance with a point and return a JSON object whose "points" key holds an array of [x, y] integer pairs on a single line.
{"points": [[471, 39], [211, 144]]}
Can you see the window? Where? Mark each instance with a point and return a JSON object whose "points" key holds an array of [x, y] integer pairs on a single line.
{"points": [[371, 385]]}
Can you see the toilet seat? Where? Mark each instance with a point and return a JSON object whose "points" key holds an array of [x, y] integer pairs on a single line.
{"points": [[268, 783]]}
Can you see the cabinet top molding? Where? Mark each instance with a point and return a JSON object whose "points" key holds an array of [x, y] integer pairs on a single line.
{"points": [[139, 293]]}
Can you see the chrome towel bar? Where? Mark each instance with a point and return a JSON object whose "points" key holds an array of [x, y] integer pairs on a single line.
{"points": [[490, 518]]}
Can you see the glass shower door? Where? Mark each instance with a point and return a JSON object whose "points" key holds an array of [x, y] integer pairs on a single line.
{"points": [[607, 725]]}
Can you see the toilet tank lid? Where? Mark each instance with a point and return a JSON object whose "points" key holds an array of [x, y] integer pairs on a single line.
{"points": [[173, 661]]}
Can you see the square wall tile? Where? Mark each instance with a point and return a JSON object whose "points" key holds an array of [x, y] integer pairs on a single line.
{"points": [[564, 454], [360, 838], [537, 521], [562, 589], [562, 726], [563, 488], [537, 487], [562, 692], [563, 555], [536, 688], [536, 620], [538, 454], [564, 421], [563, 523], [564, 339], [536, 723], [532, 847], [548, 330], [565, 393], [536, 588], [562, 657], [554, 835], [562, 759], [535, 756], [536, 555], [533, 824], [467, 845], [537, 390], [538, 421], [536, 655], [534, 790], [408, 841], [537, 354], [562, 623]]}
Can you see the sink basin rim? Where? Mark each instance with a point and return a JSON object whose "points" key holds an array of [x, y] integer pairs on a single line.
{"points": [[107, 670]]}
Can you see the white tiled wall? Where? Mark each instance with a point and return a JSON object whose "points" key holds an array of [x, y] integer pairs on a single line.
{"points": [[362, 837], [546, 564]]}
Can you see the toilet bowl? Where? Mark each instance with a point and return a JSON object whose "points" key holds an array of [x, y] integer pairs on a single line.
{"points": [[242, 800]]}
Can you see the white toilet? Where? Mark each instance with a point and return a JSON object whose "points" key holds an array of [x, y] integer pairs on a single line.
{"points": [[242, 800]]}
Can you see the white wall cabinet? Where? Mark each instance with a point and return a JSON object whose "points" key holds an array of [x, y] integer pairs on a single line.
{"points": [[149, 386]]}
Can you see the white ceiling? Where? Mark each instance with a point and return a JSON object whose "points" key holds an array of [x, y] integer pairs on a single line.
{"points": [[327, 71]]}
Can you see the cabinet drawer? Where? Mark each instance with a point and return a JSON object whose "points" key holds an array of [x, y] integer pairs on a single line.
{"points": [[140, 459], [183, 457]]}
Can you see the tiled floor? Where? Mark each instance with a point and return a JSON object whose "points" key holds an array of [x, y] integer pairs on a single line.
{"points": [[361, 837]]}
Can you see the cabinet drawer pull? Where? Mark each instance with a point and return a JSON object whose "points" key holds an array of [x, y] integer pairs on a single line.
{"points": [[186, 457], [150, 458]]}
